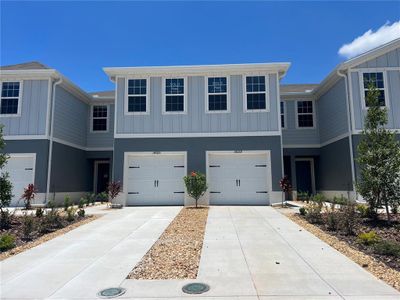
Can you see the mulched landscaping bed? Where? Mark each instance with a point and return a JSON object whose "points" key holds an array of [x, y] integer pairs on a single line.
{"points": [[176, 254], [37, 238], [386, 268]]}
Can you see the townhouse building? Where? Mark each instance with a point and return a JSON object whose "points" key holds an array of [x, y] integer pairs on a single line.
{"points": [[235, 123]]}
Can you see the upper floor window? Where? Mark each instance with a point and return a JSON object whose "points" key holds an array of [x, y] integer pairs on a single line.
{"points": [[137, 96], [217, 91], [305, 114], [10, 98], [283, 114], [174, 95], [255, 93], [99, 118], [376, 79]]}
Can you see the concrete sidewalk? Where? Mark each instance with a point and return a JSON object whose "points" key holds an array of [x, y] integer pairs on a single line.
{"points": [[249, 253]]}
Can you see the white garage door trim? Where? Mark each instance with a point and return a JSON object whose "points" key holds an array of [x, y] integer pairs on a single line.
{"points": [[127, 154], [25, 155], [235, 152]]}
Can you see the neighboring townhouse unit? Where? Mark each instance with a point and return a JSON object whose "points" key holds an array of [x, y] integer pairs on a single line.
{"points": [[235, 123]]}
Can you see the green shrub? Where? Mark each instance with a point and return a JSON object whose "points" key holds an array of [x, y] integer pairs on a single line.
{"points": [[81, 203], [314, 210], [28, 226], [51, 204], [7, 242], [339, 200], [81, 213], [332, 216], [389, 248], [71, 214], [348, 217], [362, 209], [5, 219], [67, 203], [303, 196], [302, 211], [394, 209], [196, 185], [50, 221], [319, 198], [102, 197], [368, 238], [39, 212]]}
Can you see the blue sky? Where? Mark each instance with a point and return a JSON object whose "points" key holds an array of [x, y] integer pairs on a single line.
{"points": [[79, 38]]}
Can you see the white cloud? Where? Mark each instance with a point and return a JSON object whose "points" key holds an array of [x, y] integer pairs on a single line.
{"points": [[371, 39]]}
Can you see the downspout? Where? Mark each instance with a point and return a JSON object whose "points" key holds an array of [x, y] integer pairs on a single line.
{"points": [[345, 77], [59, 81]]}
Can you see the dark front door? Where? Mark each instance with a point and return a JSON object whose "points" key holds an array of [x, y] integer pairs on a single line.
{"points": [[304, 176], [103, 174]]}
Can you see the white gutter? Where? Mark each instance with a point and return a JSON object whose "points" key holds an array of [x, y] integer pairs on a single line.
{"points": [[59, 81], [345, 77]]}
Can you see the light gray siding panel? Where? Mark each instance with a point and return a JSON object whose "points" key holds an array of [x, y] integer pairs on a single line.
{"points": [[390, 59], [393, 90], [33, 110], [197, 120], [70, 118], [293, 136], [101, 139], [332, 112]]}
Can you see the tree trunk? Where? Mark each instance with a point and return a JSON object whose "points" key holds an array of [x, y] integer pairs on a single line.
{"points": [[387, 212]]}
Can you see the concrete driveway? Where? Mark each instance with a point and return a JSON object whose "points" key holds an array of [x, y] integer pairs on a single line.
{"points": [[249, 253]]}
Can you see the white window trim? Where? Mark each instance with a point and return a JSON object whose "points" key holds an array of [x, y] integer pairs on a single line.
{"points": [[21, 88], [228, 95], [267, 108], [164, 96], [91, 118], [362, 90], [147, 95], [284, 114], [297, 115]]}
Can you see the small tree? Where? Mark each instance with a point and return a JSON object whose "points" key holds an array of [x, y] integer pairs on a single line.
{"points": [[5, 184], [196, 185], [29, 195], [113, 189], [285, 186], [378, 158]]}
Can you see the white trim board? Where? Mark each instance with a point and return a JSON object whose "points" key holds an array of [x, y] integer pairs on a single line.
{"points": [[196, 134]]}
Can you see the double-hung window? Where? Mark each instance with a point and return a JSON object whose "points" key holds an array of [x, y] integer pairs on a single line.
{"points": [[217, 91], [99, 118], [255, 93], [305, 114], [283, 114], [10, 98], [137, 96], [174, 101], [376, 79]]}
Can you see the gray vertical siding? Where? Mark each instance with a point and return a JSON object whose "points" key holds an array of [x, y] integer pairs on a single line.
{"points": [[196, 120], [304, 136], [33, 117], [101, 139], [393, 90], [332, 112], [70, 117], [390, 59]]}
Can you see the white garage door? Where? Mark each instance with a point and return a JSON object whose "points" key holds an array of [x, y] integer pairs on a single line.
{"points": [[155, 179], [21, 168], [239, 178]]}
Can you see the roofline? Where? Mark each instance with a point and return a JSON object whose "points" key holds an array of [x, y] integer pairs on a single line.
{"points": [[280, 68]]}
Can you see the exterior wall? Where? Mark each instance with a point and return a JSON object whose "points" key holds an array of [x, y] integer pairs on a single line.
{"points": [[101, 139], [34, 103], [41, 148], [196, 120], [335, 167], [390, 59], [70, 170], [332, 112], [196, 151], [299, 136], [70, 118]]}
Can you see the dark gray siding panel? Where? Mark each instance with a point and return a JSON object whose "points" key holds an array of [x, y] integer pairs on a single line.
{"points": [[332, 112], [70, 118], [41, 148], [33, 110], [335, 167], [196, 151], [70, 170]]}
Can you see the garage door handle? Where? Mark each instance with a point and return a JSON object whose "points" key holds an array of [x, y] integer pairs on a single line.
{"points": [[179, 192], [156, 183], [262, 192], [261, 166], [237, 182], [133, 193], [215, 192], [28, 169]]}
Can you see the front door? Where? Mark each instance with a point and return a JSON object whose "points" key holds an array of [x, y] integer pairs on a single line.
{"points": [[103, 176], [305, 176]]}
